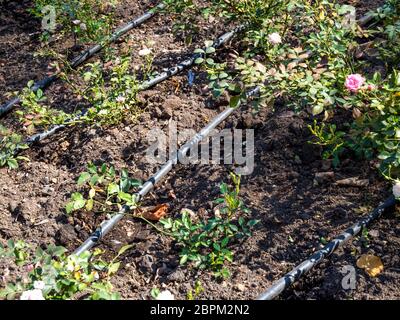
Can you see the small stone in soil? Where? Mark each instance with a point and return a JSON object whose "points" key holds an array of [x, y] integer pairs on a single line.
{"points": [[326, 165], [146, 264], [240, 287], [66, 234], [13, 206], [373, 233], [177, 275], [322, 177]]}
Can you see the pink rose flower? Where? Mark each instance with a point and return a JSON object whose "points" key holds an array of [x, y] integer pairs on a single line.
{"points": [[354, 82], [29, 268]]}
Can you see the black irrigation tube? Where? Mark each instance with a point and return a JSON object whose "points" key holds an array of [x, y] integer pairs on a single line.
{"points": [[87, 54], [293, 276], [107, 225], [145, 85]]}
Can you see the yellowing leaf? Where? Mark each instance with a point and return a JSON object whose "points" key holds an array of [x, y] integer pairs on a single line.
{"points": [[372, 264], [320, 70], [77, 275]]}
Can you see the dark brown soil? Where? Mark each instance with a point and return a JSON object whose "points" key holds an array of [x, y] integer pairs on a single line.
{"points": [[297, 210]]}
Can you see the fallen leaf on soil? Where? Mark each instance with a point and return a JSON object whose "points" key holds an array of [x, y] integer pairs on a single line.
{"points": [[157, 213], [372, 264], [108, 64], [353, 182]]}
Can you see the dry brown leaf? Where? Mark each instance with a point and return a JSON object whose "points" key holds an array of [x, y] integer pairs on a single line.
{"points": [[272, 72], [304, 56], [371, 264], [108, 64], [320, 70], [356, 113], [157, 213], [353, 182], [316, 76], [291, 65]]}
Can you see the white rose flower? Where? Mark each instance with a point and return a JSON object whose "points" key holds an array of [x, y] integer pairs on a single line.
{"points": [[39, 285], [120, 99], [275, 38], [35, 294], [396, 189], [165, 295], [70, 268], [144, 52]]}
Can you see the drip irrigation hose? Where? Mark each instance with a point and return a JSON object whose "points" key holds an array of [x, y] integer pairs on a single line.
{"points": [[107, 225], [190, 61], [87, 54], [293, 276], [145, 85]]}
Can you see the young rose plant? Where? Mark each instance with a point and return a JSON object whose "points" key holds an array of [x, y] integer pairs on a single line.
{"points": [[10, 144], [51, 274], [207, 244]]}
